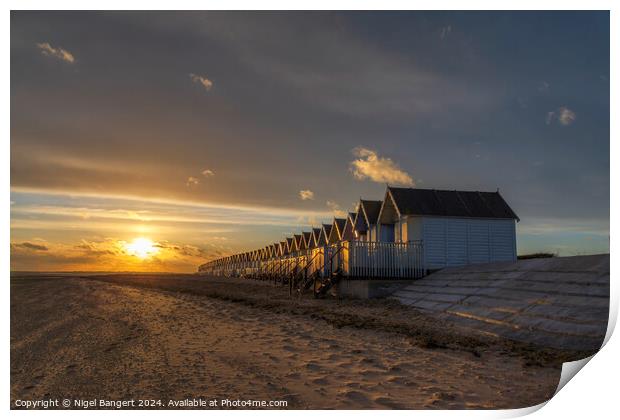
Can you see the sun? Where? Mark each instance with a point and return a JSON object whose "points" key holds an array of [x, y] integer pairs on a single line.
{"points": [[142, 248]]}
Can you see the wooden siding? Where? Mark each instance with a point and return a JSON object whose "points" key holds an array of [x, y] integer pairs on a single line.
{"points": [[451, 242]]}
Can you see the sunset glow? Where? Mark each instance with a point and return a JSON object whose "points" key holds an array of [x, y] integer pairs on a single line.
{"points": [[164, 170], [142, 248]]}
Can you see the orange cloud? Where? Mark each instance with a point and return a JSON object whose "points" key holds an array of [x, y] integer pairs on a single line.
{"points": [[369, 165], [109, 254], [306, 195], [335, 208], [192, 181], [28, 246], [64, 55], [206, 83]]}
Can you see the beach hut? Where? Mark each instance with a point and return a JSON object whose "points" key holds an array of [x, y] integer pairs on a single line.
{"points": [[347, 233], [289, 245], [315, 236], [305, 240], [366, 220], [335, 234], [324, 236], [455, 227], [296, 243]]}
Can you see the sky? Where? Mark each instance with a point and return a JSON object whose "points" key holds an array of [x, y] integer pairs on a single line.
{"points": [[210, 133]]}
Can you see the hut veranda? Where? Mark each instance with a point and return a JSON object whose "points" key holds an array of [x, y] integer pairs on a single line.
{"points": [[404, 236]]}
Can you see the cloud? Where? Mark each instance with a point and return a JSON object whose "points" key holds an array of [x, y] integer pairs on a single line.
{"points": [[208, 173], [369, 165], [563, 115], [100, 248], [184, 250], [110, 254], [192, 181], [566, 116], [206, 83], [584, 226], [543, 86], [47, 50], [28, 246], [306, 195], [352, 77], [105, 212], [335, 208], [308, 221], [445, 32]]}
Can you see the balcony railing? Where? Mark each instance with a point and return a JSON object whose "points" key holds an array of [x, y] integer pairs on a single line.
{"points": [[353, 259]]}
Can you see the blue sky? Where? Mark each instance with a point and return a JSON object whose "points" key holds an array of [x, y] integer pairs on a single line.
{"points": [[184, 113]]}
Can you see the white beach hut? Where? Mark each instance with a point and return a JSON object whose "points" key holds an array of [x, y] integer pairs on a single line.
{"points": [[455, 227], [366, 220]]}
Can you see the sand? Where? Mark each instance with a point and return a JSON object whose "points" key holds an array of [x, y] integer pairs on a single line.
{"points": [[167, 337]]}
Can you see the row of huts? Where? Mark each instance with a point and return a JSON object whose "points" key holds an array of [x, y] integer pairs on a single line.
{"points": [[409, 232]]}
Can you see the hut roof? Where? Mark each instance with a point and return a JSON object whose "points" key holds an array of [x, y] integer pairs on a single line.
{"points": [[371, 209], [306, 239], [327, 229], [426, 202], [296, 242], [315, 237], [347, 232], [339, 224]]}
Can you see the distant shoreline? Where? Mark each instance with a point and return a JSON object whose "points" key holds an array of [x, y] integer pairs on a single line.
{"points": [[93, 273]]}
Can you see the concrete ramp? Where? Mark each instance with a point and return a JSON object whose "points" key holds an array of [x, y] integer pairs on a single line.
{"points": [[555, 302]]}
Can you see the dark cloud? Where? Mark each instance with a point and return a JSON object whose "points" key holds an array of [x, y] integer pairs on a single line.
{"points": [[29, 246]]}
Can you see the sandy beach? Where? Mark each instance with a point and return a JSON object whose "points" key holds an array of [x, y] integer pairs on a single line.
{"points": [[172, 337]]}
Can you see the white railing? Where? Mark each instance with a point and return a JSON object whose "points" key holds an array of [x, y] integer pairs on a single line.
{"points": [[354, 259], [383, 260]]}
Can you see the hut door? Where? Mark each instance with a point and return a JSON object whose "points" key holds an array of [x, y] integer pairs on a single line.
{"points": [[387, 233]]}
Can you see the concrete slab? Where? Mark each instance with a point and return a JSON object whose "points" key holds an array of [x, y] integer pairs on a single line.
{"points": [[554, 302]]}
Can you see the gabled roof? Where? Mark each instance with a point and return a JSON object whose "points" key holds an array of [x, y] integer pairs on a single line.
{"points": [[337, 229], [315, 237], [371, 209], [339, 223], [426, 202], [324, 236], [296, 242], [360, 224], [349, 226], [305, 240], [289, 245]]}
